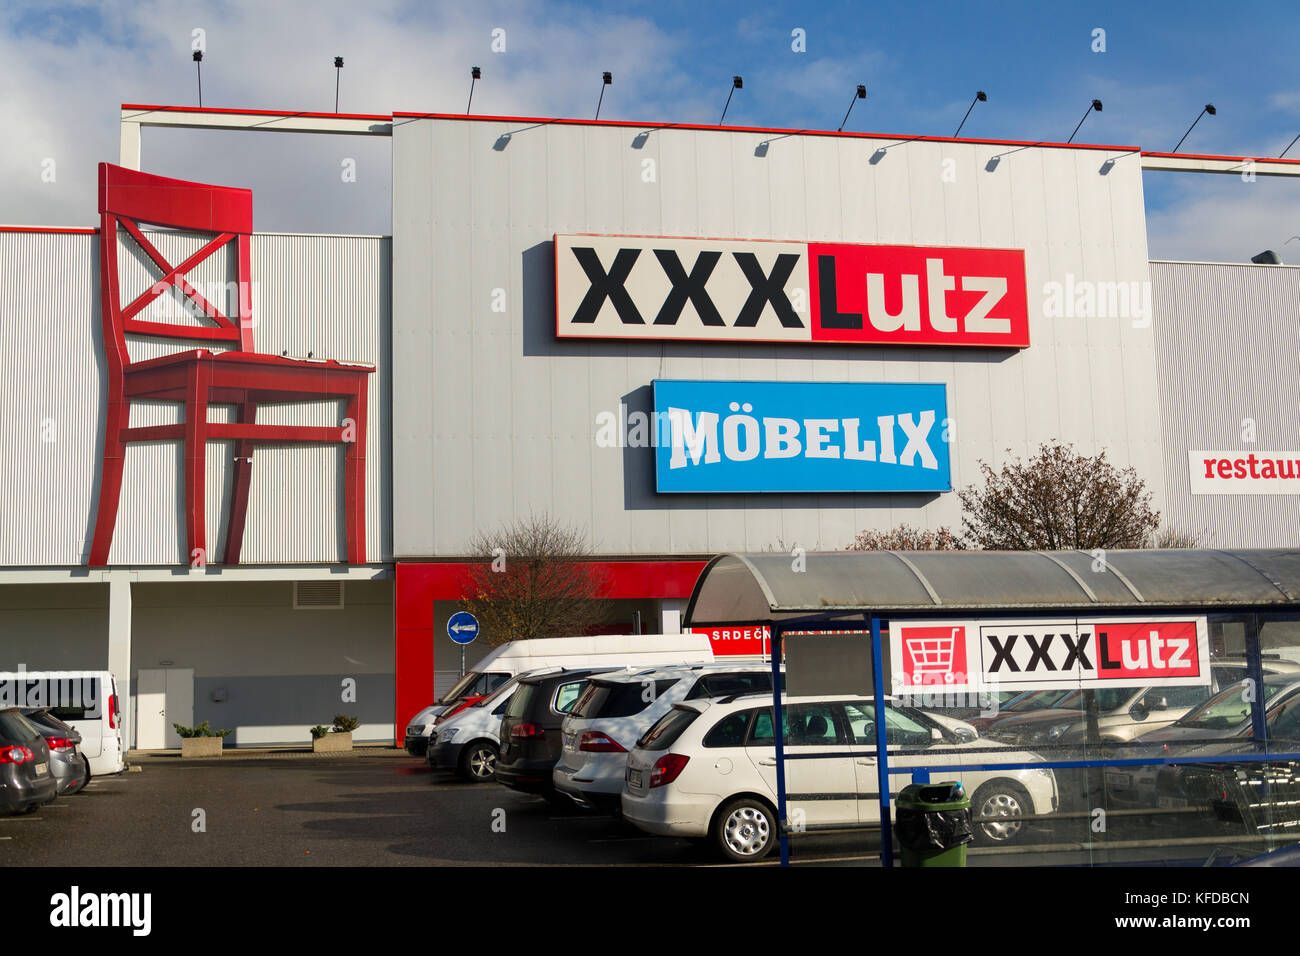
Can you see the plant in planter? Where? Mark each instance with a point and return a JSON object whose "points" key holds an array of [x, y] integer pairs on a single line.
{"points": [[201, 740], [335, 738]]}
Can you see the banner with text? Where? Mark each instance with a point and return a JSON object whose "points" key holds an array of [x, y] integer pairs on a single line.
{"points": [[748, 290], [1084, 652]]}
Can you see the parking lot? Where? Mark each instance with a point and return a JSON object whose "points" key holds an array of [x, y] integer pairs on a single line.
{"points": [[370, 808], [378, 807]]}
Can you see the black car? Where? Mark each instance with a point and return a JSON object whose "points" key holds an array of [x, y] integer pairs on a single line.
{"points": [[530, 729], [26, 782]]}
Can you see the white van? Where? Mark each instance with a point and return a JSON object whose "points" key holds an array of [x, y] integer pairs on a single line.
{"points": [[516, 657], [87, 700]]}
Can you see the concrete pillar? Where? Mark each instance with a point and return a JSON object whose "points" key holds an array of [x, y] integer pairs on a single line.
{"points": [[670, 616], [119, 648], [129, 154]]}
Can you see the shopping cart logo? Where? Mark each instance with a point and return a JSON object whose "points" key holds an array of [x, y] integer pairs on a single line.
{"points": [[934, 655]]}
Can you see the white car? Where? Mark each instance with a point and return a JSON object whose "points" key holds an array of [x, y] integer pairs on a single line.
{"points": [[469, 741], [616, 709], [707, 769]]}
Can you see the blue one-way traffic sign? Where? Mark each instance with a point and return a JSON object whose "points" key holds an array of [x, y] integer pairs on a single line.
{"points": [[463, 627]]}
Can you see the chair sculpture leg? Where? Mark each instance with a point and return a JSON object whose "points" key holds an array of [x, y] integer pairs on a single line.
{"points": [[246, 414], [110, 478], [354, 475], [196, 443]]}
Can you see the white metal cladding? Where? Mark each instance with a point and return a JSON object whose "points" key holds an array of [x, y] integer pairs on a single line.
{"points": [[323, 294], [497, 418], [1228, 348]]}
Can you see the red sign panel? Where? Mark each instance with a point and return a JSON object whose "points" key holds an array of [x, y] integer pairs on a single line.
{"points": [[737, 641], [1166, 649], [918, 295]]}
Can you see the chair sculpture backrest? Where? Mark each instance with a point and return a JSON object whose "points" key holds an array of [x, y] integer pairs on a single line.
{"points": [[128, 199]]}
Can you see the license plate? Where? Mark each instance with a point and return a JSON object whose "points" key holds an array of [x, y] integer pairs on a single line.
{"points": [[570, 741], [1121, 781], [1171, 803], [634, 778], [41, 770]]}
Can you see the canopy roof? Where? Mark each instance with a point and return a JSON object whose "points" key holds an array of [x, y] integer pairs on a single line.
{"points": [[754, 588]]}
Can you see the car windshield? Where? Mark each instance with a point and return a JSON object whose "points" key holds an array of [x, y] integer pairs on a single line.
{"points": [[496, 695], [1228, 708], [474, 684], [1108, 699], [17, 729], [1034, 700]]}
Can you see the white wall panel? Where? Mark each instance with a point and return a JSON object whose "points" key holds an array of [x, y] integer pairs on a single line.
{"points": [[322, 294], [1090, 381], [1248, 313]]}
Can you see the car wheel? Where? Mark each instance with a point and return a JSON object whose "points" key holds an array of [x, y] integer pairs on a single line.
{"points": [[744, 830], [478, 761], [1004, 802]]}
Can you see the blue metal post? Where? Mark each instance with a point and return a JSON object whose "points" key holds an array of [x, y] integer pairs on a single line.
{"points": [[778, 737], [882, 752], [1255, 671]]}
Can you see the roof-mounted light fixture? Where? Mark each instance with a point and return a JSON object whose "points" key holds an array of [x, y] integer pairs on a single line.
{"points": [[475, 74], [980, 97], [1094, 105], [1208, 108], [737, 83], [860, 94], [606, 79]]}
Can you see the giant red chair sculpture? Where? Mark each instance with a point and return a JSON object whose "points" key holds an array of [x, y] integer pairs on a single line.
{"points": [[201, 377]]}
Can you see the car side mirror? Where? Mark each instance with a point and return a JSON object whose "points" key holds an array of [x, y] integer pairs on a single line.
{"points": [[1139, 711], [936, 733]]}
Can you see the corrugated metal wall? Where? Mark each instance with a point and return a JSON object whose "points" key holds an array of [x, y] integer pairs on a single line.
{"points": [[1228, 342], [496, 418], [324, 294]]}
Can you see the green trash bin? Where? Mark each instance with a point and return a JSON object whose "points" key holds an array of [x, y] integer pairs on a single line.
{"points": [[932, 823]]}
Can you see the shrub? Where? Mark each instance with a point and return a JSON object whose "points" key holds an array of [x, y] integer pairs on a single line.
{"points": [[319, 731], [200, 730], [344, 724]]}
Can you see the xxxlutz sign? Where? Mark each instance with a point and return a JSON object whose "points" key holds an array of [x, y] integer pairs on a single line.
{"points": [[730, 290]]}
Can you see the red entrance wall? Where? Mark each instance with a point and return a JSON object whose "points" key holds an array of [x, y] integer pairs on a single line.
{"points": [[419, 585]]}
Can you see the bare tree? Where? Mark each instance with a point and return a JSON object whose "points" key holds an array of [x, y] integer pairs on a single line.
{"points": [[1058, 499], [1169, 536], [907, 538], [535, 580]]}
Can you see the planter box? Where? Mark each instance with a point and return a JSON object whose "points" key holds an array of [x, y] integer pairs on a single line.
{"points": [[201, 746], [332, 743]]}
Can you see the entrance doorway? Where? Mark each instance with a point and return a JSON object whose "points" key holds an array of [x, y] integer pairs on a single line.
{"points": [[164, 696]]}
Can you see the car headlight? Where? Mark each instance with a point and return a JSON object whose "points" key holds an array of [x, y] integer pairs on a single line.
{"points": [[1054, 732], [415, 730], [446, 736]]}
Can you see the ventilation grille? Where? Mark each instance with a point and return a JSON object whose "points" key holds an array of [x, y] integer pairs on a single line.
{"points": [[317, 595]]}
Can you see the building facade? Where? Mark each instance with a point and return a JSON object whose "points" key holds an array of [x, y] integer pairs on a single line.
{"points": [[683, 340]]}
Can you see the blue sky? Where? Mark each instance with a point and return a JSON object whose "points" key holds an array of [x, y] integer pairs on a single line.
{"points": [[68, 67]]}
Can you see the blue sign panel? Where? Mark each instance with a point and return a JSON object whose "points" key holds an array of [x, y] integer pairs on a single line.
{"points": [[800, 436], [463, 627]]}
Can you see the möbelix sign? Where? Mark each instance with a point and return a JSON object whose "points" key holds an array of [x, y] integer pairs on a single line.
{"points": [[1091, 652], [800, 436], [737, 290]]}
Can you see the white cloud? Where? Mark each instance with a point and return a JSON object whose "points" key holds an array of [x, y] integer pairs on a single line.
{"points": [[1222, 219], [67, 76]]}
